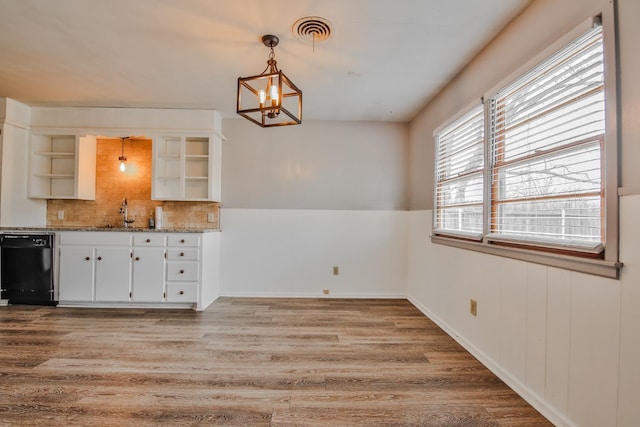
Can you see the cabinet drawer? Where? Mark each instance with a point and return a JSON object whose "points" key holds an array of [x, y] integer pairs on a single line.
{"points": [[182, 271], [182, 292], [94, 238], [182, 254], [148, 239], [183, 240]]}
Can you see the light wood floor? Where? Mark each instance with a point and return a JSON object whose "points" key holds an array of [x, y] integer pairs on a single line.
{"points": [[246, 362]]}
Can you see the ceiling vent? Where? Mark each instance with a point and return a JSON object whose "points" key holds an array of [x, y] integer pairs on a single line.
{"points": [[312, 29]]}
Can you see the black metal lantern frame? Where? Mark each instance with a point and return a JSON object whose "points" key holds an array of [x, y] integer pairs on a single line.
{"points": [[270, 98]]}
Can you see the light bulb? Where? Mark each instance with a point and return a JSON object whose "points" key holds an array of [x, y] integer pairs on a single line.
{"points": [[263, 97], [274, 95], [123, 166]]}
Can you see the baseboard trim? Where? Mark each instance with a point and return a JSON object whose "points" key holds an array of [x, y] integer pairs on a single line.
{"points": [[525, 392], [311, 295], [153, 305]]}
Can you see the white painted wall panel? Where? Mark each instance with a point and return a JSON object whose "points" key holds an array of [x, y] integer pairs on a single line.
{"points": [[513, 317], [489, 306], [271, 252], [536, 345], [595, 335], [629, 394], [558, 339]]}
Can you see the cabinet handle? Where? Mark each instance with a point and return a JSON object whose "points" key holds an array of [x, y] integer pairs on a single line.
{"points": [[148, 240], [181, 253], [99, 258], [181, 271], [181, 292], [137, 258], [87, 258]]}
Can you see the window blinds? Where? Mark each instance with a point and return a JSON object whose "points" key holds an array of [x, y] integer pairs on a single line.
{"points": [[459, 176], [546, 137]]}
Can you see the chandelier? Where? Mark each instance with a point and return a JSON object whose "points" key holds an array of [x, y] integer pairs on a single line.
{"points": [[270, 98]]}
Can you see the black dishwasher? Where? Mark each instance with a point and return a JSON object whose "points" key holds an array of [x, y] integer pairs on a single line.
{"points": [[26, 268]]}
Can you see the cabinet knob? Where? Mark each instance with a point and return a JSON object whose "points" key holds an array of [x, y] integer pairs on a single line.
{"points": [[99, 258], [181, 271], [137, 258], [181, 253], [181, 240], [148, 240], [181, 292], [87, 258]]}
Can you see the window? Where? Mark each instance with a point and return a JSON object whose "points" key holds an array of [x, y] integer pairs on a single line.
{"points": [[459, 176], [547, 134], [542, 184]]}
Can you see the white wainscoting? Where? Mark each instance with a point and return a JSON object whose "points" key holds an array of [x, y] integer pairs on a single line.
{"points": [[292, 252], [567, 342]]}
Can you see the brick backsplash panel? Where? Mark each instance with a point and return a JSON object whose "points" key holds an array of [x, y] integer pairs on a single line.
{"points": [[112, 186]]}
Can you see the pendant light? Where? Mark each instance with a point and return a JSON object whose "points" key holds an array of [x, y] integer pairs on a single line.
{"points": [[122, 158], [269, 98]]}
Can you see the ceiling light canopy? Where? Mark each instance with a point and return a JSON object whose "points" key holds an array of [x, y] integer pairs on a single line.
{"points": [[270, 98]]}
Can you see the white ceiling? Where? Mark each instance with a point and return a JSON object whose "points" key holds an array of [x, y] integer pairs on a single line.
{"points": [[384, 61]]}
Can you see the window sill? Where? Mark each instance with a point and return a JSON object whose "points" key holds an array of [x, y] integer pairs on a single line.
{"points": [[596, 267]]}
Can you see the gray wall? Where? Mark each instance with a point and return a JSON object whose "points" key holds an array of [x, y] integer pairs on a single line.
{"points": [[315, 165]]}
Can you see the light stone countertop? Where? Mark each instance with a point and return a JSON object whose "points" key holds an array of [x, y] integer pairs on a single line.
{"points": [[110, 229]]}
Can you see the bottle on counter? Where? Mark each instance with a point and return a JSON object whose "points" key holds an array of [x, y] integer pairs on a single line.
{"points": [[152, 223], [158, 217]]}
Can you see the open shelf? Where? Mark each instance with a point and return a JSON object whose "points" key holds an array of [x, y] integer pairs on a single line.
{"points": [[182, 168]]}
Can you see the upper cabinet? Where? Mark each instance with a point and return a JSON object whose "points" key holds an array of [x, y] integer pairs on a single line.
{"points": [[62, 167], [186, 168]]}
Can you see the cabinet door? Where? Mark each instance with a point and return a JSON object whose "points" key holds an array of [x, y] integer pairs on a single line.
{"points": [[76, 273], [113, 274], [148, 274]]}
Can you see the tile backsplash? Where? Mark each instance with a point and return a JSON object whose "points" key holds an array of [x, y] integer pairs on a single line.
{"points": [[112, 186]]}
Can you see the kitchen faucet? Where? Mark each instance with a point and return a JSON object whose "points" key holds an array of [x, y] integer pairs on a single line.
{"points": [[124, 211]]}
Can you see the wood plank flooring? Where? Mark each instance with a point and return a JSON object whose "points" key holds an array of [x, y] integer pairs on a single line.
{"points": [[246, 362]]}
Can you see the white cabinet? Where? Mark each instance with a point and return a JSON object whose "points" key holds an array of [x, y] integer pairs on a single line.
{"points": [[148, 274], [138, 269], [76, 273], [92, 273], [183, 267], [186, 168], [148, 267], [93, 267], [113, 273], [62, 167]]}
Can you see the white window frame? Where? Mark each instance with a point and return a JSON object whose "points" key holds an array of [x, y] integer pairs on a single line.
{"points": [[608, 264]]}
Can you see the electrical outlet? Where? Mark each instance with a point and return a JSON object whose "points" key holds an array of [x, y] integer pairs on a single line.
{"points": [[336, 270], [60, 215], [211, 217], [473, 307], [325, 291]]}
